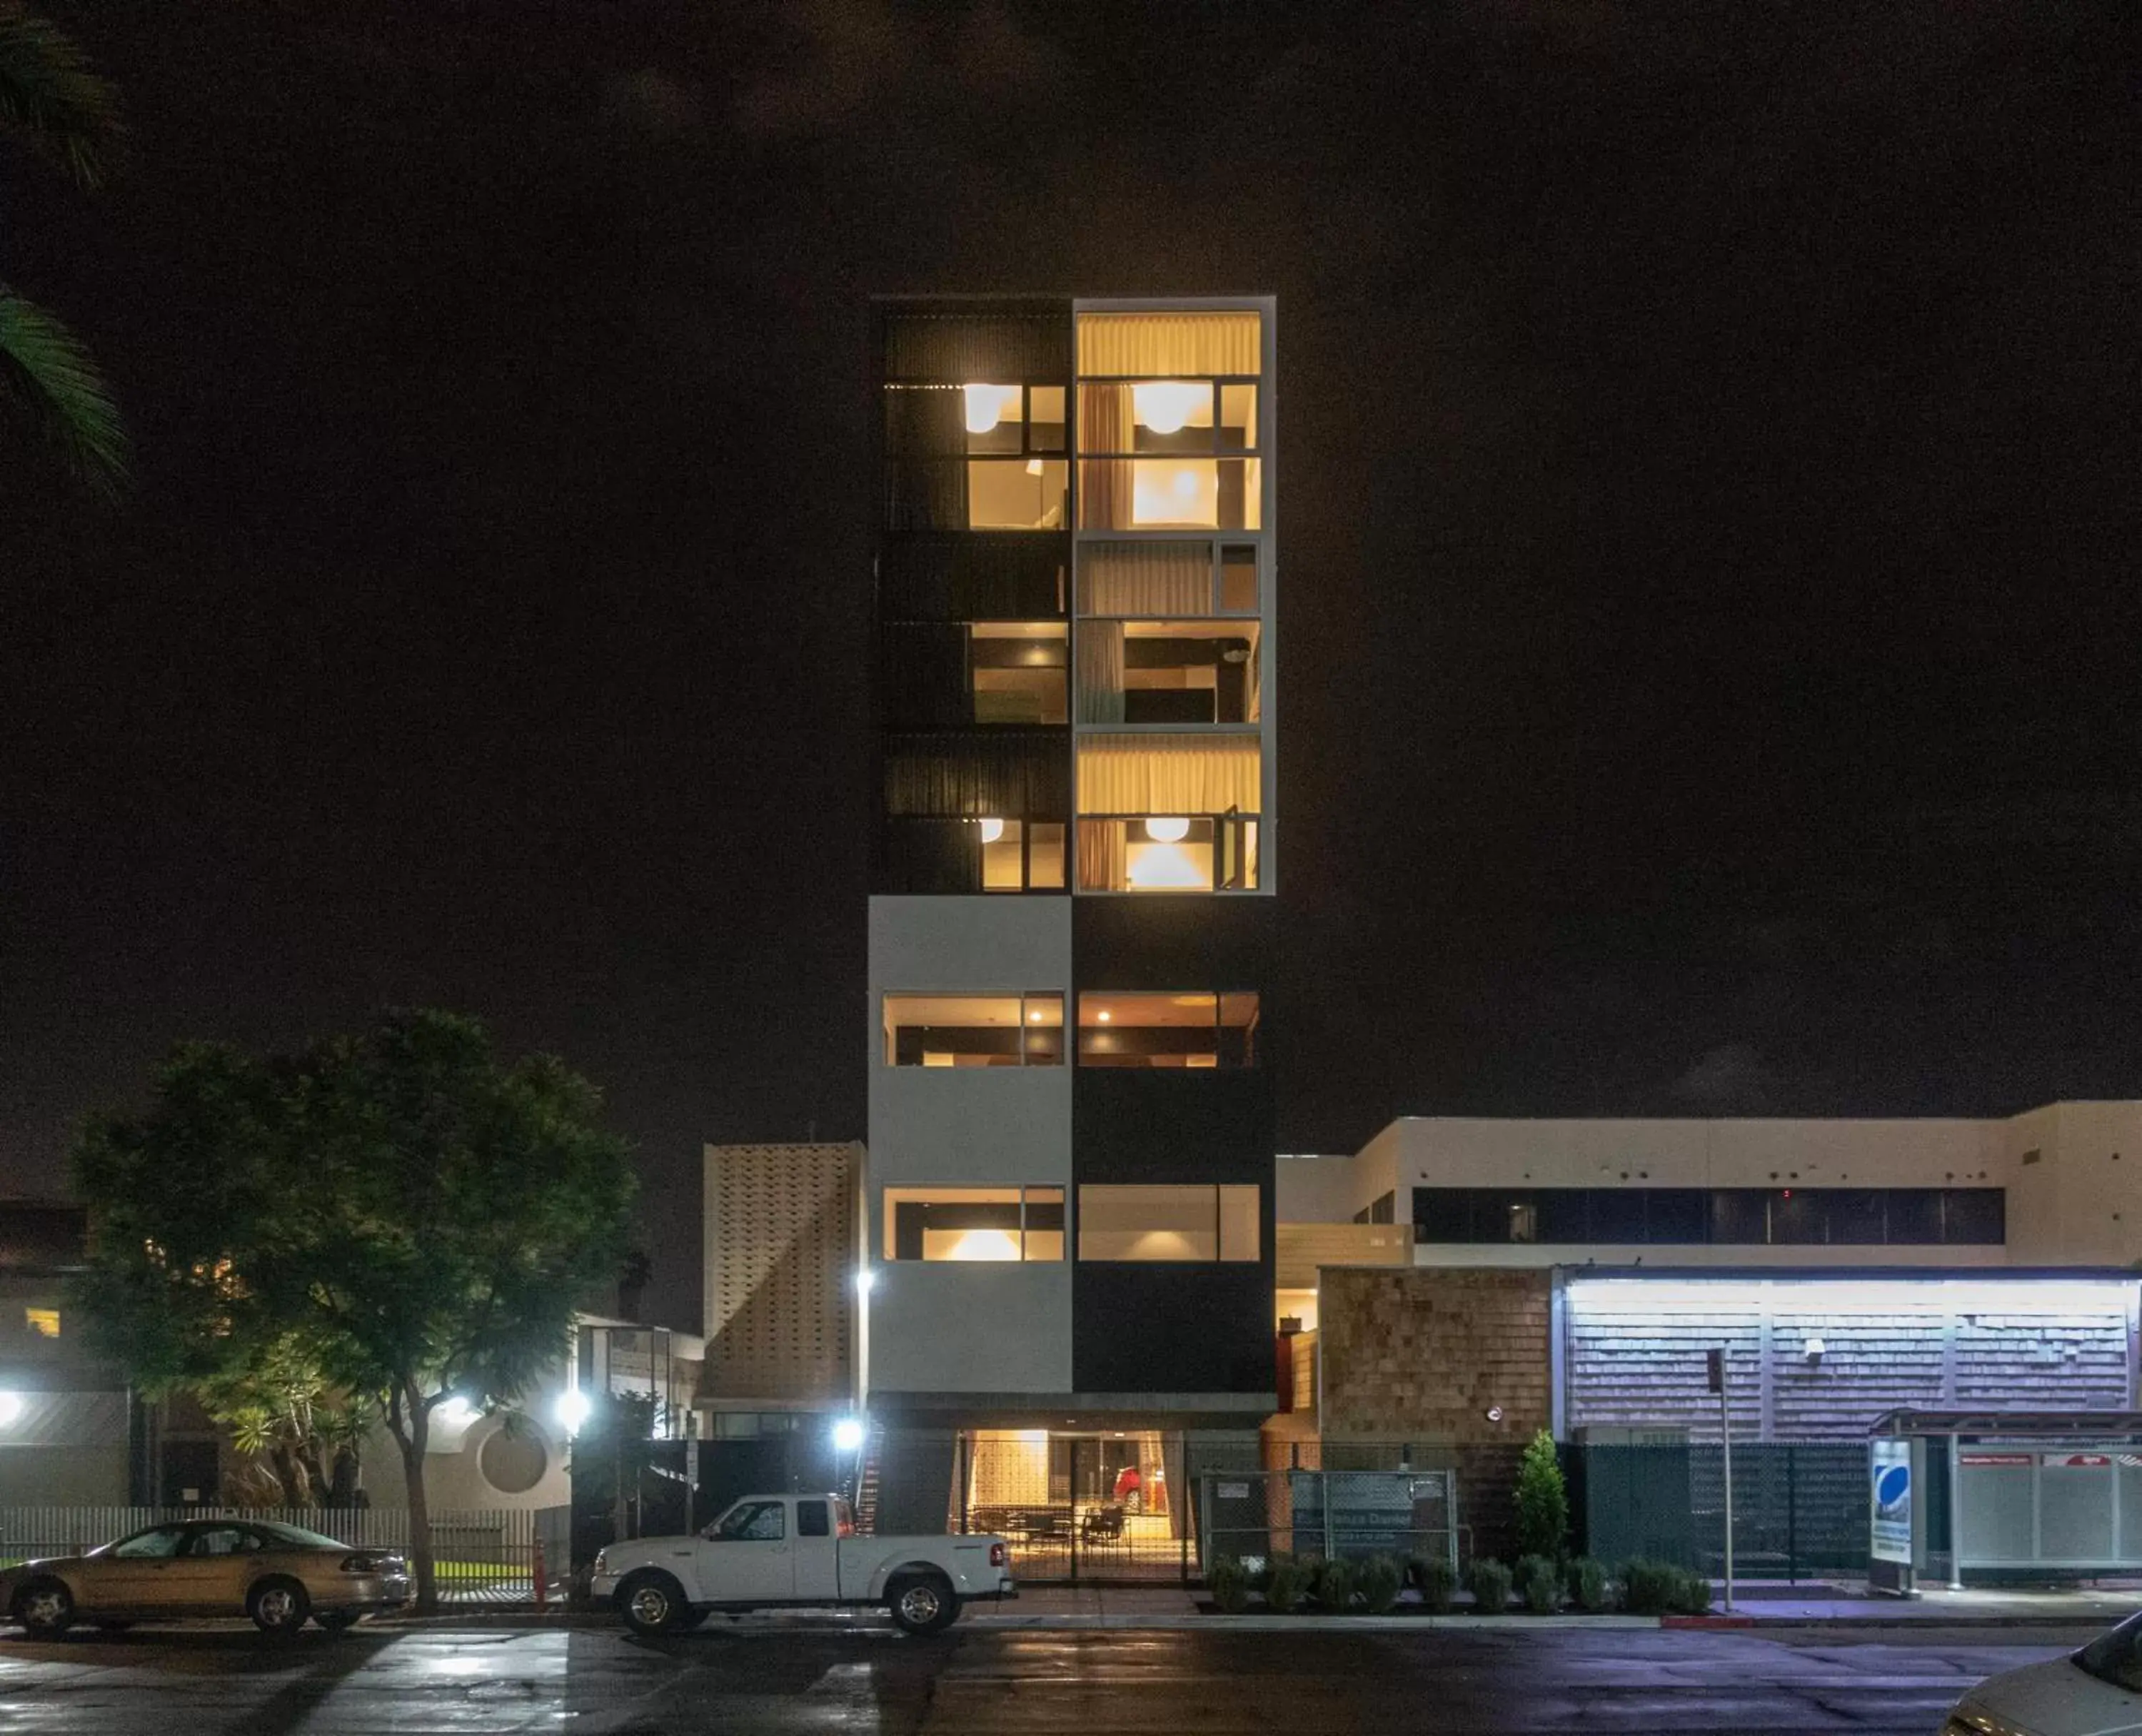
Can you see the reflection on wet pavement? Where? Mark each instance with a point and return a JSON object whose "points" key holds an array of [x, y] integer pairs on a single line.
{"points": [[854, 1678]]}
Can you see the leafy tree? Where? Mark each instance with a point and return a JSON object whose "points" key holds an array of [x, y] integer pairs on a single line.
{"points": [[54, 105], [395, 1213], [1542, 1501]]}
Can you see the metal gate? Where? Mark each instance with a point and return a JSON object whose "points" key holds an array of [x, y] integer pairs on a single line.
{"points": [[1330, 1515]]}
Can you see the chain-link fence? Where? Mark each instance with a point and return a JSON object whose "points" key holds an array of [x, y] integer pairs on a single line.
{"points": [[1320, 1514]]}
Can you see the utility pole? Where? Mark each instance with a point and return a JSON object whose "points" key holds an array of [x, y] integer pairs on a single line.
{"points": [[1715, 1360]]}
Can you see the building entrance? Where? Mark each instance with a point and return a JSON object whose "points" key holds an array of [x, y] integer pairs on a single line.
{"points": [[1101, 1506]]}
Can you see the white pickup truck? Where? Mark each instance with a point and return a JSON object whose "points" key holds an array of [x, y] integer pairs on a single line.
{"points": [[775, 1552]]}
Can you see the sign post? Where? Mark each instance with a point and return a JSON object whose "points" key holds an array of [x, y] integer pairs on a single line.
{"points": [[1714, 1361]]}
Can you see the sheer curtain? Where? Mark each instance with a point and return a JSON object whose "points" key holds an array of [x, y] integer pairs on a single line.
{"points": [[1165, 344], [1174, 775], [1163, 579], [1104, 483], [1104, 853], [1100, 672]]}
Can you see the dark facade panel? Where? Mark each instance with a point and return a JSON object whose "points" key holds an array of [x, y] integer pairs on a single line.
{"points": [[922, 681], [1010, 774], [1172, 1124], [959, 344], [1172, 1328], [937, 857], [978, 575], [1183, 942]]}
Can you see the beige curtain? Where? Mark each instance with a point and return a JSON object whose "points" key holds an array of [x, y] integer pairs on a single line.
{"points": [[1100, 672], [1168, 344], [1103, 856], [1104, 483], [1136, 774], [1145, 578]]}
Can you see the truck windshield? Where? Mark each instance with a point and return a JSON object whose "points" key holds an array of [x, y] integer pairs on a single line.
{"points": [[2116, 1657]]}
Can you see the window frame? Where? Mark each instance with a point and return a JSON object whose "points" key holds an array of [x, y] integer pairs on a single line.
{"points": [[889, 1033], [1219, 997], [1217, 1190], [888, 1243]]}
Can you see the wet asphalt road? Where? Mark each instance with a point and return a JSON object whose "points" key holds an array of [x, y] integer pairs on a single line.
{"points": [[791, 1679]]}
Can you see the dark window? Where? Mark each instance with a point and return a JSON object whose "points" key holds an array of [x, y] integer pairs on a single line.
{"points": [[1730, 1216], [1856, 1217], [1974, 1216], [1384, 1210], [1914, 1216], [1740, 1216], [811, 1521], [1443, 1215], [1561, 1215], [1799, 1217], [1676, 1215], [1616, 1214]]}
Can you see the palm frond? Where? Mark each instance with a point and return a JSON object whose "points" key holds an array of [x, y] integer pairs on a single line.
{"points": [[51, 380], [52, 101]]}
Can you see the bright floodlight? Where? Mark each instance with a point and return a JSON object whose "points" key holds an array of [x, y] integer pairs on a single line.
{"points": [[848, 1435], [454, 1412], [572, 1410], [11, 1408], [864, 1280]]}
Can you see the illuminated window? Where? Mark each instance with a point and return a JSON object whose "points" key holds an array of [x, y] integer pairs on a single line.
{"points": [[974, 1223], [974, 1030], [1164, 1223], [1016, 672], [1168, 672], [1167, 1030], [1018, 857], [1168, 422], [980, 456], [44, 1322]]}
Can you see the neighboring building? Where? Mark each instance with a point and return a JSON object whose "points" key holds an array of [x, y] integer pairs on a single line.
{"points": [[1068, 1186], [2058, 1187], [69, 1429], [1460, 1284]]}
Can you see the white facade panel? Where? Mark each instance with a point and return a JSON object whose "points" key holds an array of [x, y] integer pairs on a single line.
{"points": [[1002, 944], [970, 1327]]}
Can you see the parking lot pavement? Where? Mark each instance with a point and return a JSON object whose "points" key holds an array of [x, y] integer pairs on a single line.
{"points": [[788, 1678]]}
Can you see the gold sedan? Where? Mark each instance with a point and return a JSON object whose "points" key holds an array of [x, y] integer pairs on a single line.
{"points": [[277, 1574]]}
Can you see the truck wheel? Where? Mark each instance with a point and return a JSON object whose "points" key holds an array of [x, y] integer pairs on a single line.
{"points": [[653, 1603], [923, 1603]]}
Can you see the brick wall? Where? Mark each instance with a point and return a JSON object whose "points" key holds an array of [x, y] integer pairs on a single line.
{"points": [[1420, 1357]]}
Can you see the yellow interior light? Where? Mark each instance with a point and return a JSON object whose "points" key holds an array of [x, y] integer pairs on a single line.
{"points": [[987, 404], [1164, 406]]}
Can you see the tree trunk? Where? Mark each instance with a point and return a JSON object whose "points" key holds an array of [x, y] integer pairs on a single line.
{"points": [[411, 1437]]}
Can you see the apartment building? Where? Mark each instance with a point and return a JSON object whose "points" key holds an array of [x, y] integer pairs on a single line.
{"points": [[1068, 1187]]}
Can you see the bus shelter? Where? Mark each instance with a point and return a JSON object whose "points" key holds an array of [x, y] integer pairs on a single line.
{"points": [[1992, 1497]]}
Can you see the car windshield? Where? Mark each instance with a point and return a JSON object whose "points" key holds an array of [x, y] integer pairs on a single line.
{"points": [[296, 1536], [2116, 1657]]}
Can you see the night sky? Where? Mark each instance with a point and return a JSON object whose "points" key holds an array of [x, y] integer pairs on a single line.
{"points": [[1708, 512]]}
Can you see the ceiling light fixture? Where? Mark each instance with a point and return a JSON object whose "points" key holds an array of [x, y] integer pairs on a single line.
{"points": [[1164, 406], [1167, 829], [986, 406], [992, 829]]}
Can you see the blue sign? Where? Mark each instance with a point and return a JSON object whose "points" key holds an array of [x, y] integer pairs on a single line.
{"points": [[1889, 1537]]}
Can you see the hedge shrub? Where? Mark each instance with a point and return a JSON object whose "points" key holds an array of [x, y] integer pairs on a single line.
{"points": [[1539, 1584], [1489, 1583]]}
